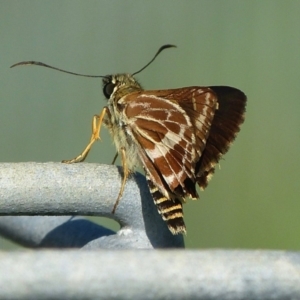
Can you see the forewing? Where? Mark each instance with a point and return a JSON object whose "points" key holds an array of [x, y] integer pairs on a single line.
{"points": [[171, 128]]}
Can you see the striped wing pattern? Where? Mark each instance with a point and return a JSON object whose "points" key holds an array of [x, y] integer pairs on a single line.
{"points": [[171, 128]]}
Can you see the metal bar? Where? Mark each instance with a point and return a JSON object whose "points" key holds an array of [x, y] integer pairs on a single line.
{"points": [[161, 274], [53, 231], [91, 189], [55, 189]]}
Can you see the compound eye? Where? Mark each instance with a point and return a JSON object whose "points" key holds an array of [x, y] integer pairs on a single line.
{"points": [[108, 89]]}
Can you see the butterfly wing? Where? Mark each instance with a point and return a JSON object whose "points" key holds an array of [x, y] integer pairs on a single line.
{"points": [[226, 124], [170, 128]]}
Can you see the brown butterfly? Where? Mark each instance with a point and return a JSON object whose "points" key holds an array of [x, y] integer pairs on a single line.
{"points": [[177, 136]]}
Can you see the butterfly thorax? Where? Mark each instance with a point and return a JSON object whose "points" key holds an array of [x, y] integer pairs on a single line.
{"points": [[121, 86]]}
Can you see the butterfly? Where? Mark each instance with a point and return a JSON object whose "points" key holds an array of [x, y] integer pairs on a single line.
{"points": [[176, 135]]}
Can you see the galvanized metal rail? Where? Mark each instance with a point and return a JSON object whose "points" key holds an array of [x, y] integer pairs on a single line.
{"points": [[41, 205]]}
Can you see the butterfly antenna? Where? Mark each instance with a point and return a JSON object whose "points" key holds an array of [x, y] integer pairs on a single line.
{"points": [[37, 63], [159, 50]]}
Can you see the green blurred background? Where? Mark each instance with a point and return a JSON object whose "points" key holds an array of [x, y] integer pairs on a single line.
{"points": [[253, 200]]}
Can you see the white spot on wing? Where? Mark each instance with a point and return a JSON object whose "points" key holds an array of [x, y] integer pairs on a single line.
{"points": [[157, 152]]}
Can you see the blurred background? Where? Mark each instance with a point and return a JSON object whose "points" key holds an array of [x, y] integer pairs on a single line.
{"points": [[253, 200]]}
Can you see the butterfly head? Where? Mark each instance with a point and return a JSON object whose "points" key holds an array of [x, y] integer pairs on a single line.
{"points": [[119, 85]]}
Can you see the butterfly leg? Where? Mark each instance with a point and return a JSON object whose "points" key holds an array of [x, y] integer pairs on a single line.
{"points": [[115, 158], [126, 173], [96, 126]]}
